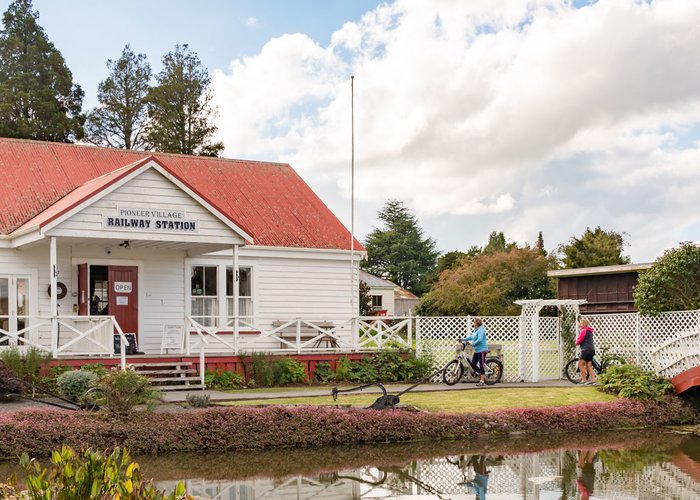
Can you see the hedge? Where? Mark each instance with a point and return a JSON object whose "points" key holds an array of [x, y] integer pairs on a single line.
{"points": [[38, 432]]}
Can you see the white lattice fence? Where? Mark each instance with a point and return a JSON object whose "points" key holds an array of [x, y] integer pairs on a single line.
{"points": [[616, 332], [635, 336], [437, 335]]}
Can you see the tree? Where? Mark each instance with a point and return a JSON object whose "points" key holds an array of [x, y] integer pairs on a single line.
{"points": [[365, 300], [497, 243], [37, 97], [180, 109], [120, 118], [539, 245], [488, 284], [672, 283], [399, 250], [594, 248]]}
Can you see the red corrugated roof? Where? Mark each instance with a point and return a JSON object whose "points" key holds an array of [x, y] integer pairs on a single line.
{"points": [[268, 200]]}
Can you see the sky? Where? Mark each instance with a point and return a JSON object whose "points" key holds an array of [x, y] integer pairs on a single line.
{"points": [[487, 115]]}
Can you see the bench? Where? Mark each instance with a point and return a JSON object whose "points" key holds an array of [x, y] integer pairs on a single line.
{"points": [[306, 333]]}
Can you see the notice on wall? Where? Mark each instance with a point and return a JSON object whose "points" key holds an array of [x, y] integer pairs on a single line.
{"points": [[122, 300], [172, 337], [150, 219], [123, 286]]}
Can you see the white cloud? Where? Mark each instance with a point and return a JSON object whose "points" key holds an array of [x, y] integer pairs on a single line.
{"points": [[251, 22], [514, 116]]}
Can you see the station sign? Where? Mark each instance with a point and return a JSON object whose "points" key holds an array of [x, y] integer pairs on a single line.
{"points": [[150, 219]]}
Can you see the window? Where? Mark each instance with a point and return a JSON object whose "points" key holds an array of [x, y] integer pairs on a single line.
{"points": [[245, 291], [14, 306], [205, 306], [376, 302]]}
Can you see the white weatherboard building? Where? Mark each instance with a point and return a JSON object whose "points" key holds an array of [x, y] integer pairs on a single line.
{"points": [[170, 248]]}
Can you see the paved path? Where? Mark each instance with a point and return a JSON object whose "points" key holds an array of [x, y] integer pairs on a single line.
{"points": [[180, 396]]}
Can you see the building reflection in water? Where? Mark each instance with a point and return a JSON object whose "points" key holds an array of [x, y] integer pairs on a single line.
{"points": [[568, 474]]}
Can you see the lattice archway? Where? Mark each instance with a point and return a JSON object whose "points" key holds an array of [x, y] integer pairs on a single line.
{"points": [[541, 348]]}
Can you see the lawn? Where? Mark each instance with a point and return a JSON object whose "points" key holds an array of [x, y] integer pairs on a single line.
{"points": [[469, 401]]}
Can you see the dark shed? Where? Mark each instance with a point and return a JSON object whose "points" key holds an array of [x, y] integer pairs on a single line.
{"points": [[607, 289]]}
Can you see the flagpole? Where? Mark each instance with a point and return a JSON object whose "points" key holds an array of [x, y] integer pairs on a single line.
{"points": [[355, 311]]}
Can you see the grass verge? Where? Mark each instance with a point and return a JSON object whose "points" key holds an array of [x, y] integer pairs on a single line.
{"points": [[471, 401]]}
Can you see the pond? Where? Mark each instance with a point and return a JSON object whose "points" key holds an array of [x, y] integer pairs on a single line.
{"points": [[620, 465], [644, 465]]}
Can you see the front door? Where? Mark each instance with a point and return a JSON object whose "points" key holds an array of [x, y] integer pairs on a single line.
{"points": [[123, 297]]}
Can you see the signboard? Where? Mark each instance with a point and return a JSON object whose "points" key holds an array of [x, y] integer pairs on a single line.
{"points": [[172, 337], [123, 286], [150, 219], [122, 300]]}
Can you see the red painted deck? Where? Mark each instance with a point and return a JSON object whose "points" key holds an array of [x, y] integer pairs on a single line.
{"points": [[686, 380], [212, 362]]}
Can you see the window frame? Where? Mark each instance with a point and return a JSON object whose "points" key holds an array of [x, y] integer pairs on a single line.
{"points": [[223, 319]]}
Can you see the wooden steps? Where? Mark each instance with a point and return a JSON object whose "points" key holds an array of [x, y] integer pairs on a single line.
{"points": [[171, 375]]}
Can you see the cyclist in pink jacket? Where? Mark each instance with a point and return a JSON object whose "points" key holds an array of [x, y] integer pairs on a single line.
{"points": [[585, 361]]}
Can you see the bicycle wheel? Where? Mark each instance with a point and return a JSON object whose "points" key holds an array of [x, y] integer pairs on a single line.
{"points": [[452, 373], [612, 361], [571, 371], [494, 371]]}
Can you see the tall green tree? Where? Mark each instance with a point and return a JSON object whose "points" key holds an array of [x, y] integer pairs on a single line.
{"points": [[539, 244], [37, 97], [180, 110], [489, 283], [672, 283], [594, 248], [399, 250], [497, 243], [120, 118]]}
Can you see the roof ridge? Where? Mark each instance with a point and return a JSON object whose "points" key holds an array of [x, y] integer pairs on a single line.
{"points": [[138, 151]]}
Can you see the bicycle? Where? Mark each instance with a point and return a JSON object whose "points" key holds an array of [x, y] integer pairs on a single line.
{"points": [[454, 370], [606, 361]]}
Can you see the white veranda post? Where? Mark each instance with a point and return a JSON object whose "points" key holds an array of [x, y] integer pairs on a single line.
{"points": [[236, 293], [54, 298]]}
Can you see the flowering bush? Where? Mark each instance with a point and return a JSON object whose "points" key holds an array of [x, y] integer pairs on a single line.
{"points": [[226, 429]]}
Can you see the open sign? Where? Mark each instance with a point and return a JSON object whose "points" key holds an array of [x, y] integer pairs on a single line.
{"points": [[123, 286]]}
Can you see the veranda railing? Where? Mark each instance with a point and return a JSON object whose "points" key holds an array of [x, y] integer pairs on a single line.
{"points": [[71, 335]]}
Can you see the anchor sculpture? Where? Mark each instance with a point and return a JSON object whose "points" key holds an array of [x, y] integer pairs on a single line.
{"points": [[386, 401]]}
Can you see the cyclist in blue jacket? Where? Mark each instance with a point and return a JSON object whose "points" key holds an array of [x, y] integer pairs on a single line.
{"points": [[478, 340]]}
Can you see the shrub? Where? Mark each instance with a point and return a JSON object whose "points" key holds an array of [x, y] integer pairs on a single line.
{"points": [[262, 369], [198, 400], [288, 371], [27, 365], [363, 371], [223, 379], [49, 382], [9, 384], [631, 381], [343, 368], [91, 474], [121, 391], [74, 385], [96, 368], [323, 373]]}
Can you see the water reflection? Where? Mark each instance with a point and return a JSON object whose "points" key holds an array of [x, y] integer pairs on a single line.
{"points": [[632, 465]]}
